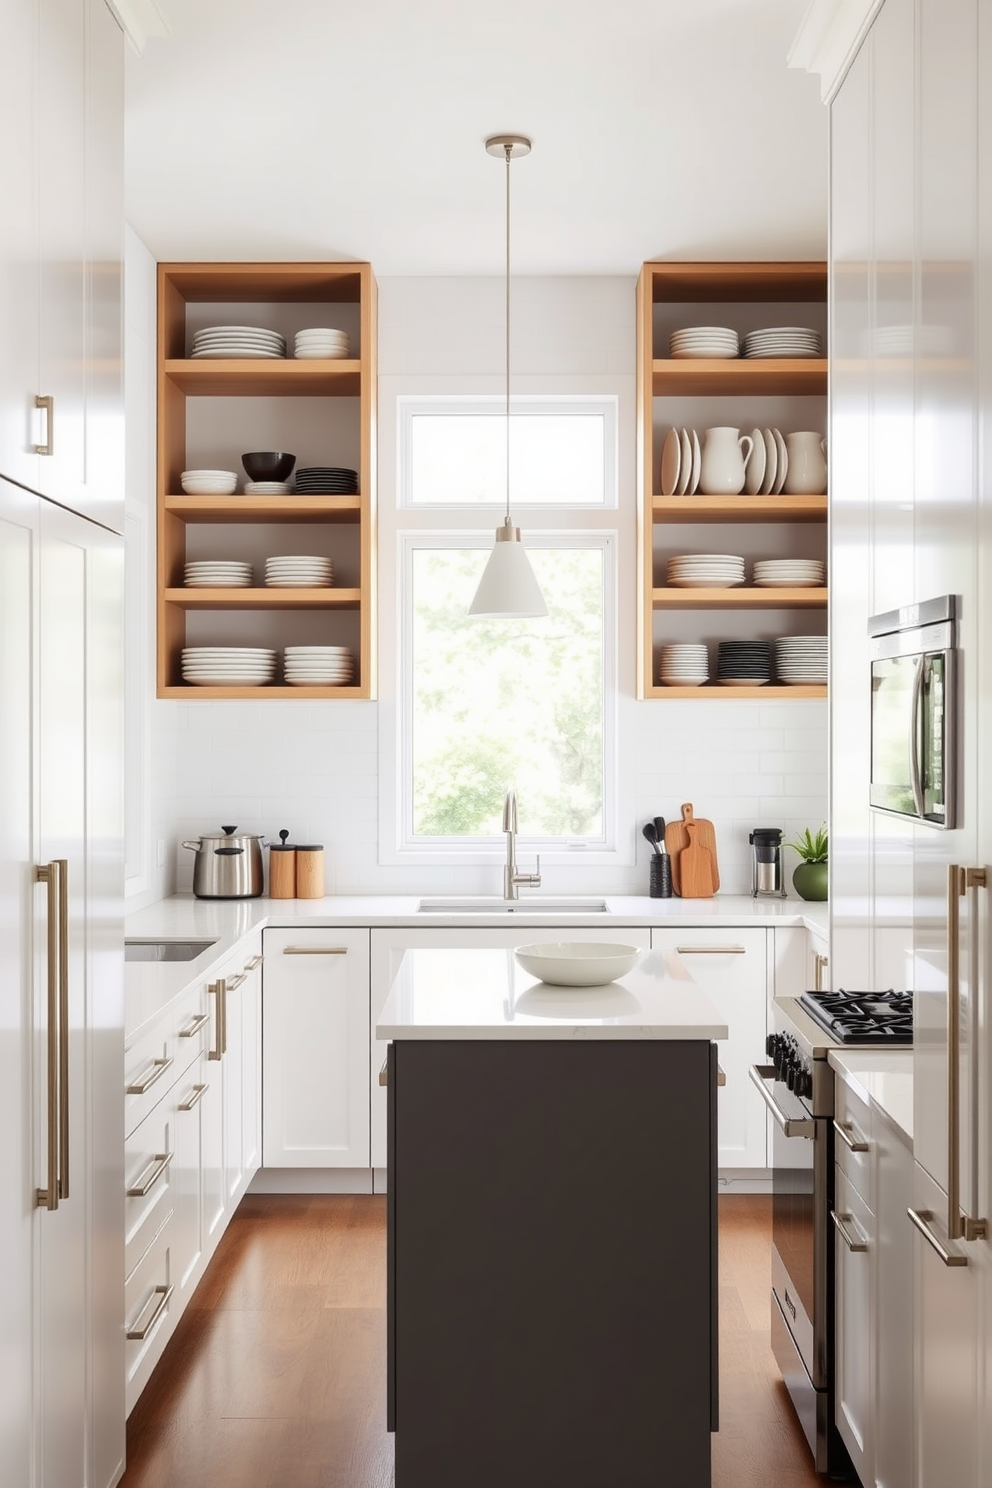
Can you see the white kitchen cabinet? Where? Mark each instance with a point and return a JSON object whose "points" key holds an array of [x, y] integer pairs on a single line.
{"points": [[61, 174], [61, 1422], [731, 968], [387, 950], [241, 1072], [854, 1237], [315, 1049]]}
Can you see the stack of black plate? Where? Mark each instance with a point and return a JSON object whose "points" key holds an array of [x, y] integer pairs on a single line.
{"points": [[740, 662], [326, 480]]}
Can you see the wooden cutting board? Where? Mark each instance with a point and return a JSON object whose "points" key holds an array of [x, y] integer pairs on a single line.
{"points": [[697, 866], [677, 839]]}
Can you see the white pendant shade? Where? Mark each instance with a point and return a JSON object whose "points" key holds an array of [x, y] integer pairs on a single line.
{"points": [[508, 589]]}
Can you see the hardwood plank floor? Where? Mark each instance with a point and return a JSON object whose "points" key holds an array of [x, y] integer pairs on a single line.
{"points": [[275, 1376]]}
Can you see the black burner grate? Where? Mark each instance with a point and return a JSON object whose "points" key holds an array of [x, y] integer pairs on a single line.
{"points": [[862, 1017]]}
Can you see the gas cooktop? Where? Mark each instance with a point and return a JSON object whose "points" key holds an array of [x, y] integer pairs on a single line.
{"points": [[862, 1017]]}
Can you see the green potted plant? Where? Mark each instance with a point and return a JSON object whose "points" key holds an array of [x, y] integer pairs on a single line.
{"points": [[810, 876]]}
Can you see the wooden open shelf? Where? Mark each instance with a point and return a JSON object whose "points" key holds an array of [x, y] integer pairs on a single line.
{"points": [[744, 598], [204, 598], [226, 509], [228, 377], [268, 690], [765, 692], [707, 378], [673, 509]]}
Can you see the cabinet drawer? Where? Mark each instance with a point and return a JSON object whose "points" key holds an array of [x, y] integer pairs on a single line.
{"points": [[148, 1314], [148, 1196], [853, 1140], [157, 1058]]}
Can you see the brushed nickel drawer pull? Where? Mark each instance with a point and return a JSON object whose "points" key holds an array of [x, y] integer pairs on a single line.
{"points": [[194, 1099], [921, 1218], [854, 1143], [158, 1069], [236, 980], [47, 406], [730, 950], [194, 1025], [163, 1293], [158, 1165], [840, 1224], [721, 1076], [255, 961], [315, 950], [384, 1073]]}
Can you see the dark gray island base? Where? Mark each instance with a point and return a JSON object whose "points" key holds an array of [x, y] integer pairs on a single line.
{"points": [[552, 1262]]}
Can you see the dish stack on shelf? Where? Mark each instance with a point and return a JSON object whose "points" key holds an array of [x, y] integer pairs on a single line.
{"points": [[791, 573], [743, 663], [218, 573], [684, 664], [783, 341], [209, 482], [267, 488], [705, 341], [321, 342], [326, 480], [299, 571], [801, 659], [238, 341], [706, 570], [318, 666], [681, 460], [228, 666]]}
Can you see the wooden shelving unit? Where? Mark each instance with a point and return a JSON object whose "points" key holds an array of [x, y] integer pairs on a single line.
{"points": [[287, 297], [746, 295]]}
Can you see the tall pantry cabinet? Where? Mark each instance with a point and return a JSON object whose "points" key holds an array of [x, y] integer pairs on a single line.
{"points": [[61, 572]]}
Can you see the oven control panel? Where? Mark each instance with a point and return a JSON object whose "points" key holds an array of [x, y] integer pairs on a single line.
{"points": [[791, 1065]]}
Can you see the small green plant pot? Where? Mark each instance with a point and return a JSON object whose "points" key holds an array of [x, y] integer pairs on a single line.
{"points": [[810, 880]]}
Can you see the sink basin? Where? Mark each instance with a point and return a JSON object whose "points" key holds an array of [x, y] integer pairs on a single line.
{"points": [[532, 904], [165, 950]]}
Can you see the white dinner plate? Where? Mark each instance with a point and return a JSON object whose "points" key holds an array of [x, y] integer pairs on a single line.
{"points": [[783, 461], [685, 462], [754, 473], [671, 460]]}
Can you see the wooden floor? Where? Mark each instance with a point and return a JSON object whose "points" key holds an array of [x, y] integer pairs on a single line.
{"points": [[275, 1377]]}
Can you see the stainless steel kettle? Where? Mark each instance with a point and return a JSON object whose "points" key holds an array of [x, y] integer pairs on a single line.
{"points": [[227, 866]]}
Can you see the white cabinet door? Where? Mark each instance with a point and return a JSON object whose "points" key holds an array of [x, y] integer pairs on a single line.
{"points": [[388, 948], [730, 967], [892, 1278], [19, 244], [251, 1061], [187, 1182], [315, 1049], [213, 1177], [854, 1402]]}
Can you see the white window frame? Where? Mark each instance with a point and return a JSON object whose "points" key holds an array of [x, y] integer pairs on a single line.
{"points": [[550, 525]]}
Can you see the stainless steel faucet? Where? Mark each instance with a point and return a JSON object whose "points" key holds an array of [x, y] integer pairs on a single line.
{"points": [[511, 878]]}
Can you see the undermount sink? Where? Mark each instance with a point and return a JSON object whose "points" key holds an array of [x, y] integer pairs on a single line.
{"points": [[532, 904], [165, 950]]}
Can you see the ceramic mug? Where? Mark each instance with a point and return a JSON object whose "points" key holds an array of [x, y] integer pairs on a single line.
{"points": [[807, 470], [724, 461]]}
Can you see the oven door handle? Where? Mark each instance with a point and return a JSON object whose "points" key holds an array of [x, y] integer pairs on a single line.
{"points": [[804, 1127], [915, 730]]}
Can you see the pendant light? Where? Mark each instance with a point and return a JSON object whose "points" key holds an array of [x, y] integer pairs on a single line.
{"points": [[508, 589]]}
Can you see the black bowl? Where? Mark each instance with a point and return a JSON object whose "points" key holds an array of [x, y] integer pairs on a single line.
{"points": [[268, 465]]}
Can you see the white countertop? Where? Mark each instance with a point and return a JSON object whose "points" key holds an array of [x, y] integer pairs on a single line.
{"points": [[485, 994], [881, 1078]]}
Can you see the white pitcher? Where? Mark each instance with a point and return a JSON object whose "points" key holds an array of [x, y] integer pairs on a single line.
{"points": [[724, 462], [807, 470]]}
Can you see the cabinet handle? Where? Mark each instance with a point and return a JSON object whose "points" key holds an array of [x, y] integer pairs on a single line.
{"points": [[922, 1218], [255, 961], [384, 1073], [315, 950], [805, 1127], [960, 1226], [841, 1222], [194, 1098], [55, 876], [159, 1165], [163, 1293], [853, 1144], [820, 964], [158, 1069], [194, 1025], [721, 1076], [219, 990], [730, 950], [47, 406], [234, 982]]}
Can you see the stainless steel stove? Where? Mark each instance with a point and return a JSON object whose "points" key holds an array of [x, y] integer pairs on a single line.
{"points": [[797, 1086]]}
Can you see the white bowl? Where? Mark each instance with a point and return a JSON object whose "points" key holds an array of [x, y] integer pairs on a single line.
{"points": [[199, 486], [578, 963]]}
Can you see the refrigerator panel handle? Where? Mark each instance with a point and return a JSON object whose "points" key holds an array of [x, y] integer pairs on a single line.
{"points": [[960, 881]]}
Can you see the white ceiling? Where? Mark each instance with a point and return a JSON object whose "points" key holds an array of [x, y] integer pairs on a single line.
{"points": [[294, 129]]}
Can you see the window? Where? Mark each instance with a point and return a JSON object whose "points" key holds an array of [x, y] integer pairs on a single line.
{"points": [[482, 705]]}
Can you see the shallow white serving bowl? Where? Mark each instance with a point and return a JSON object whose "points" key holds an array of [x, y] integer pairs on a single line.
{"points": [[578, 963]]}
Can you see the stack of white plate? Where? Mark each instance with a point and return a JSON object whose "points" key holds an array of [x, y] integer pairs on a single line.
{"points": [[268, 488], [704, 341], [227, 666], [318, 666], [238, 341], [705, 570], [768, 463], [797, 573], [299, 571], [220, 573], [684, 665], [209, 482], [783, 341], [322, 341], [680, 463], [801, 659]]}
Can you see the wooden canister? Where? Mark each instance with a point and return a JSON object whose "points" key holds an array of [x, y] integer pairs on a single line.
{"points": [[282, 871], [310, 872]]}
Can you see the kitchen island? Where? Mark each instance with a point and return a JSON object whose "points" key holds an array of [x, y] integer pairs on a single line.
{"points": [[552, 1227]]}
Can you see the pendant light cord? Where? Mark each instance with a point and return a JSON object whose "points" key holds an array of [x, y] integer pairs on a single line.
{"points": [[509, 157]]}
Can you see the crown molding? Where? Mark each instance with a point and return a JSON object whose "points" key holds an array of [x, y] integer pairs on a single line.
{"points": [[829, 38], [140, 20]]}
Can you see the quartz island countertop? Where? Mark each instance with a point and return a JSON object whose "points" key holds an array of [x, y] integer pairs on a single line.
{"points": [[486, 994]]}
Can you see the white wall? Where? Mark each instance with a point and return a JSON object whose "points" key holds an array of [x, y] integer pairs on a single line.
{"points": [[314, 767]]}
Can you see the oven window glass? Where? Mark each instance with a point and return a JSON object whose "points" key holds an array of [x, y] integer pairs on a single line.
{"points": [[891, 733]]}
